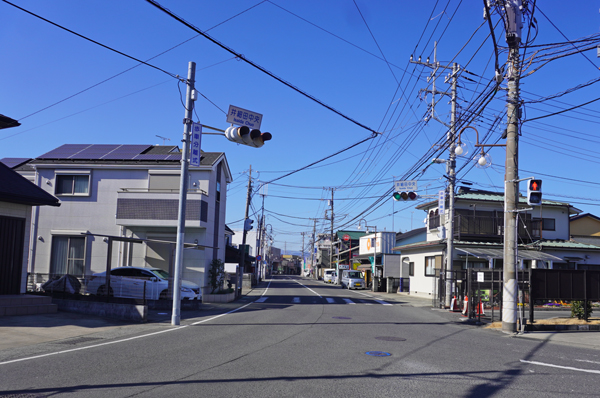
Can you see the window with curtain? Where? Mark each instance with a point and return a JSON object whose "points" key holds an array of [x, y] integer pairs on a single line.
{"points": [[72, 184], [429, 266], [68, 255]]}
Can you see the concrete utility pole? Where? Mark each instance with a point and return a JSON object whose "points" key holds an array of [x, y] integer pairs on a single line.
{"points": [[331, 234], [314, 268], [183, 187], [511, 183], [243, 248], [450, 163]]}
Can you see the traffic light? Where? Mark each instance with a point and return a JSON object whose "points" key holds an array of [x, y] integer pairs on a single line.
{"points": [[405, 195], [534, 192], [248, 224], [243, 135]]}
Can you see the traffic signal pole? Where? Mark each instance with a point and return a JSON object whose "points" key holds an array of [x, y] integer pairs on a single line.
{"points": [[511, 180], [183, 187], [243, 248]]}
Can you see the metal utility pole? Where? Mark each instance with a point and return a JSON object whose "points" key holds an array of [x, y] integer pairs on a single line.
{"points": [[183, 187], [243, 248], [450, 163], [511, 183]]}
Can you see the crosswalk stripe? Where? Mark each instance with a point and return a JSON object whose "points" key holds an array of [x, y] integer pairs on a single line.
{"points": [[296, 300], [349, 301], [262, 299], [382, 302], [330, 300]]}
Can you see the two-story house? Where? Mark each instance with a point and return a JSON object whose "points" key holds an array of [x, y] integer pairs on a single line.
{"points": [[543, 239], [126, 191]]}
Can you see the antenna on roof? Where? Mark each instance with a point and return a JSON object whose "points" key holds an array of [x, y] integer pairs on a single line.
{"points": [[164, 139]]}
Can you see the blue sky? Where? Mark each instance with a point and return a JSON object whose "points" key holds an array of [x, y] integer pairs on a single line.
{"points": [[335, 51]]}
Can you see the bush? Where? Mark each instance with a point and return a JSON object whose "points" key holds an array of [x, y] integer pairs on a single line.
{"points": [[216, 273], [578, 309]]}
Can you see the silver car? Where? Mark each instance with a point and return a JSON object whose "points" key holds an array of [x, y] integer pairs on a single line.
{"points": [[353, 280]]}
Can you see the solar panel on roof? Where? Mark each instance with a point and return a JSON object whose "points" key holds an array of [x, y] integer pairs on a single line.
{"points": [[94, 152], [126, 152], [163, 156], [64, 151]]}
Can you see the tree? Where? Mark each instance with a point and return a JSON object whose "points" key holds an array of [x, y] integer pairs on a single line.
{"points": [[216, 273]]}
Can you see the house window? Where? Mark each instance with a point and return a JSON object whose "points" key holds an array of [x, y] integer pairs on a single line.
{"points": [[68, 255], [434, 219], [411, 269], [429, 266], [68, 184], [548, 224], [218, 191]]}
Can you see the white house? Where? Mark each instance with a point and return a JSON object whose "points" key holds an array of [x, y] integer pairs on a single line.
{"points": [[543, 239], [126, 191]]}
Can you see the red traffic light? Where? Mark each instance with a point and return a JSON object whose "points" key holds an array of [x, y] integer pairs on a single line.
{"points": [[535, 185], [534, 192]]}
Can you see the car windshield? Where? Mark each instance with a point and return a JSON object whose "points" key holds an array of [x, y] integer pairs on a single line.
{"points": [[160, 273], [355, 274]]}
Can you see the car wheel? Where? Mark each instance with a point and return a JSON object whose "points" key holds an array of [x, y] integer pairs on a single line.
{"points": [[164, 295], [102, 291]]}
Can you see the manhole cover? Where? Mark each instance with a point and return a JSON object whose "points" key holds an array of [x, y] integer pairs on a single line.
{"points": [[341, 317], [378, 353], [390, 338], [78, 340]]}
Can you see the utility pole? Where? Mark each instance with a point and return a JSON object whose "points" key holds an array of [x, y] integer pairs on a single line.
{"points": [[511, 183], [259, 235], [303, 256], [331, 234], [183, 187], [314, 268], [243, 248], [450, 163]]}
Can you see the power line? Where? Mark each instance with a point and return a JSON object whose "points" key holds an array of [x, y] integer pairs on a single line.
{"points": [[255, 65]]}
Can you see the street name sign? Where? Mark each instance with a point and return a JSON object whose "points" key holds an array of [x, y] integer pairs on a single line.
{"points": [[244, 117]]}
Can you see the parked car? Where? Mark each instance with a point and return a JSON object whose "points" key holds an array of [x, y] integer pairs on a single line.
{"points": [[353, 280], [129, 282], [328, 275]]}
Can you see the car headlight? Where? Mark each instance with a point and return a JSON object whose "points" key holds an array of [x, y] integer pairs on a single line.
{"points": [[186, 289]]}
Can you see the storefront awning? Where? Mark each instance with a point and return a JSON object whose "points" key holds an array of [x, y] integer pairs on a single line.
{"points": [[499, 253]]}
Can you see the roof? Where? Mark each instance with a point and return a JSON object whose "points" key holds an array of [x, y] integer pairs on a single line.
{"points": [[17, 189], [119, 153], [584, 215], [14, 162], [562, 244], [7, 122], [410, 234]]}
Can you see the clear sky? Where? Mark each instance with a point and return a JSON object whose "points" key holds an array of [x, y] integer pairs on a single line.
{"points": [[352, 56]]}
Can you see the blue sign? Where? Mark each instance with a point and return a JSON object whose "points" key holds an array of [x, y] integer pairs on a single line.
{"points": [[195, 144]]}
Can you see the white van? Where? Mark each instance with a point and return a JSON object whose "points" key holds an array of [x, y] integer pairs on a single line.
{"points": [[328, 275], [353, 280]]}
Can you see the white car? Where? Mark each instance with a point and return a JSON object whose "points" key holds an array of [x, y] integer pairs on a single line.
{"points": [[129, 282], [328, 275]]}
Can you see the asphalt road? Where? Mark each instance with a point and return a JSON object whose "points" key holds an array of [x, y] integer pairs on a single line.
{"points": [[302, 338]]}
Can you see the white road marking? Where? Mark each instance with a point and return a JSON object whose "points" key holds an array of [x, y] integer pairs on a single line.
{"points": [[296, 300], [349, 301], [562, 367], [308, 288], [129, 338], [330, 300], [585, 360], [383, 302], [262, 299]]}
